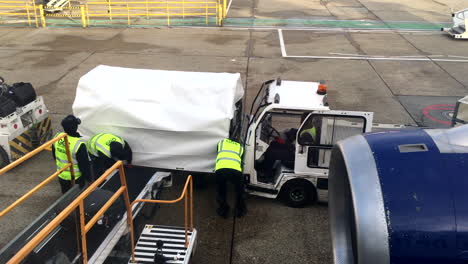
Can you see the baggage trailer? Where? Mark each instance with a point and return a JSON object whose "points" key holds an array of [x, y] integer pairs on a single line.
{"points": [[167, 135], [24, 121], [174, 121]]}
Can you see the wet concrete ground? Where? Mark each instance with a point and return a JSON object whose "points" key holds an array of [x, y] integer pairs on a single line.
{"points": [[407, 92]]}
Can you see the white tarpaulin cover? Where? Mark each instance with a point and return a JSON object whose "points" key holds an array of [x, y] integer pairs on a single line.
{"points": [[171, 119]]}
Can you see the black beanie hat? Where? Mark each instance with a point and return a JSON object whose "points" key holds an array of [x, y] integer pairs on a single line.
{"points": [[70, 124]]}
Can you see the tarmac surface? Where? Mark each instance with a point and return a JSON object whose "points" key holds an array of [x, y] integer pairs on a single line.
{"points": [[365, 71]]}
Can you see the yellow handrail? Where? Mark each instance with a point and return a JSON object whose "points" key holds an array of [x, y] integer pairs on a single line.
{"points": [[185, 194], [31, 154], [129, 9], [33, 190], [78, 203]]}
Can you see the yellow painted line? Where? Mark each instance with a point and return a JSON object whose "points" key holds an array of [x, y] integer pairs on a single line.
{"points": [[40, 125], [18, 147], [24, 141], [72, 15]]}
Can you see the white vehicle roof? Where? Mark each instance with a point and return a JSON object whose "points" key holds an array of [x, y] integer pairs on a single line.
{"points": [[171, 119], [297, 95]]}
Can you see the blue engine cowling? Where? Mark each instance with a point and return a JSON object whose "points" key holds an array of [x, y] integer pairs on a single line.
{"points": [[400, 197]]}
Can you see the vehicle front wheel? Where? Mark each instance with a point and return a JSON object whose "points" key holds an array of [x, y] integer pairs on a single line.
{"points": [[299, 193]]}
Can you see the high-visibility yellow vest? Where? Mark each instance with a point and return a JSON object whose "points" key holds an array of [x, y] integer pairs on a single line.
{"points": [[229, 155], [101, 143], [61, 156], [310, 131]]}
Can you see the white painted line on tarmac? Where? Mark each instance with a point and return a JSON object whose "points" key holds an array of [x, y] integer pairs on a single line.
{"points": [[321, 30], [401, 56], [283, 48], [345, 56], [376, 58], [462, 57]]}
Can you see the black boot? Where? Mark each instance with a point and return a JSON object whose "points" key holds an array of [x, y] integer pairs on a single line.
{"points": [[241, 210], [223, 210]]}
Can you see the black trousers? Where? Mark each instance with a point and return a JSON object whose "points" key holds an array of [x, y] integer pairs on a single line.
{"points": [[282, 152], [100, 165], [235, 177], [66, 185]]}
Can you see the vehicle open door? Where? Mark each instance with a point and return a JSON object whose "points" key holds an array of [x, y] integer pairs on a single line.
{"points": [[318, 133]]}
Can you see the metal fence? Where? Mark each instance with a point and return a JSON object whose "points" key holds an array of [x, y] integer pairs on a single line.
{"points": [[18, 13], [95, 13]]}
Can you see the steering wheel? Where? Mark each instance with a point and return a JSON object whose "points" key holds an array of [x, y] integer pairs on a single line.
{"points": [[271, 133]]}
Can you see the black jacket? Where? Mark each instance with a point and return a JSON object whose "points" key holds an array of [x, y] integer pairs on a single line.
{"points": [[105, 162]]}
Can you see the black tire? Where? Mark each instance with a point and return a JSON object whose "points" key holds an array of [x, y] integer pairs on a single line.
{"points": [[298, 193], [4, 160]]}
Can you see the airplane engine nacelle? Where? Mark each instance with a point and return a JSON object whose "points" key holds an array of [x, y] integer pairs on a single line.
{"points": [[400, 197]]}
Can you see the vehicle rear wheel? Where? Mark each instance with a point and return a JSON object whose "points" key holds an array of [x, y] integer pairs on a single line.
{"points": [[4, 160], [299, 193]]}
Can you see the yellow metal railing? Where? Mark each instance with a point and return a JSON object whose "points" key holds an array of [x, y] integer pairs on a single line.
{"points": [[187, 195], [168, 9], [31, 154], [19, 9], [84, 227]]}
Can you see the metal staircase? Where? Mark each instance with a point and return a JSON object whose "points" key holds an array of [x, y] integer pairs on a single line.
{"points": [[168, 241]]}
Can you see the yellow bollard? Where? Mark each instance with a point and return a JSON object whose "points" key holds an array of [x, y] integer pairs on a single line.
{"points": [[110, 8], [128, 15], [168, 14], [224, 8], [41, 12], [35, 13], [220, 15], [83, 16]]}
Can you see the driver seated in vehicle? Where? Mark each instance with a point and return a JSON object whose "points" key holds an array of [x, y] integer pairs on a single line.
{"points": [[281, 149], [310, 133]]}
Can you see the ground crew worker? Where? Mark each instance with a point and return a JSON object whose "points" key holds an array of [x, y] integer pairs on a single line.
{"points": [[229, 168], [105, 149], [309, 135], [282, 149], [78, 151]]}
